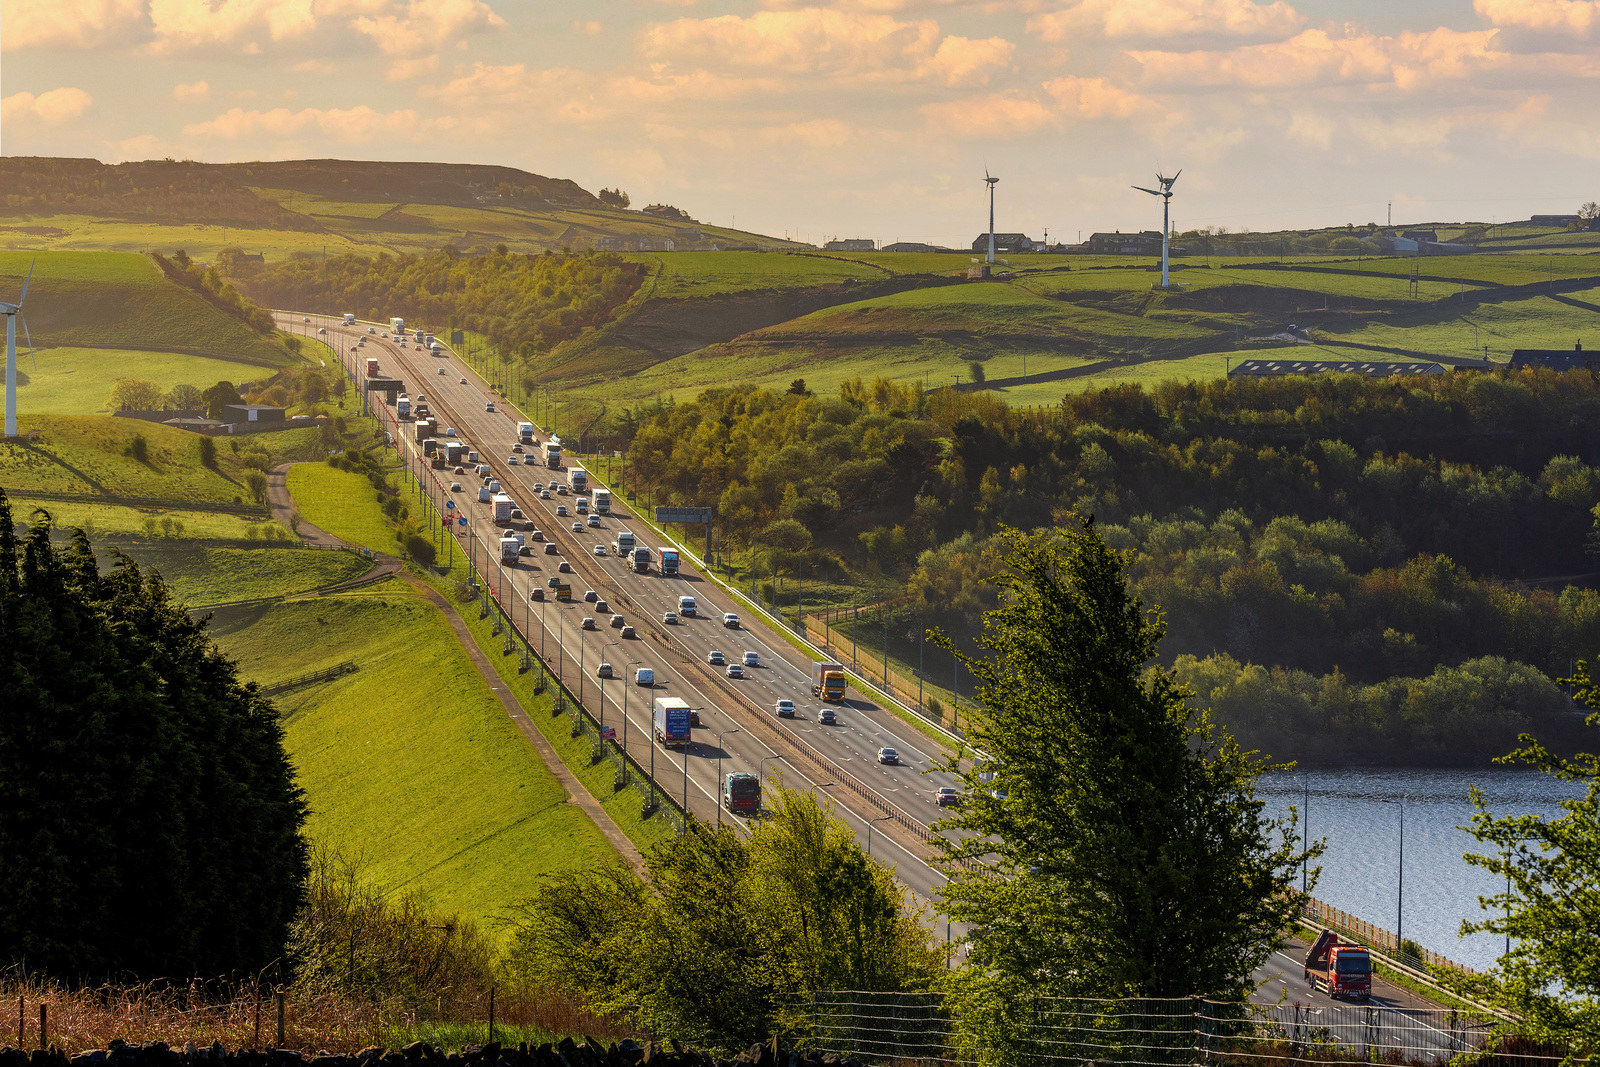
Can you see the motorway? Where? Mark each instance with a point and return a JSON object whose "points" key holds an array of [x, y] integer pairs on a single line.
{"points": [[738, 729]]}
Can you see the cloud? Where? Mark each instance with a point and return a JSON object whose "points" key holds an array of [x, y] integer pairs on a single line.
{"points": [[587, 26], [182, 25], [192, 91], [48, 108], [357, 124], [29, 25], [807, 41], [426, 25], [1560, 16], [998, 116], [1316, 57], [1167, 18], [963, 61]]}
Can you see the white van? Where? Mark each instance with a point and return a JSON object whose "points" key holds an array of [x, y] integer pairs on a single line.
{"points": [[645, 676], [686, 606], [484, 496]]}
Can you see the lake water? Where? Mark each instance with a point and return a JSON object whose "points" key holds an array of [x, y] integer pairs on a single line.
{"points": [[1358, 813]]}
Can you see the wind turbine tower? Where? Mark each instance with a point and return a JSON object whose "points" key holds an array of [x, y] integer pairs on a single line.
{"points": [[1165, 193], [11, 311], [990, 182]]}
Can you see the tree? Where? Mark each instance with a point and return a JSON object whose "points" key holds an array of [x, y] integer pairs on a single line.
{"points": [[152, 823], [185, 398], [135, 394], [1589, 211], [1119, 849], [614, 198], [1551, 976], [976, 370], [218, 397], [208, 452], [138, 448], [257, 484]]}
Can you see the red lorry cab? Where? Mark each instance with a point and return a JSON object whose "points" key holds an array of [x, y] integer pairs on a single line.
{"points": [[1341, 968]]}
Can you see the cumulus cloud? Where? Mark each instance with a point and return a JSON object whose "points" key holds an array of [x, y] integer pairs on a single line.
{"points": [[357, 124], [1015, 113], [47, 108], [809, 40], [424, 25], [1579, 17], [27, 25], [192, 91], [1167, 18], [181, 25], [1405, 61]]}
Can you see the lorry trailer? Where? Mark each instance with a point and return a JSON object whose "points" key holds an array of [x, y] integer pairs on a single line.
{"points": [[510, 549], [1339, 967], [580, 480], [552, 455], [349, 318], [602, 501], [667, 562], [525, 432], [372, 367], [671, 721], [828, 681], [402, 406], [641, 560], [503, 506], [741, 793], [623, 545], [398, 325]]}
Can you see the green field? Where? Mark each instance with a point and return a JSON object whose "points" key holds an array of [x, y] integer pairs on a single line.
{"points": [[103, 299], [78, 381], [87, 455], [146, 523], [410, 763], [64, 233], [341, 503], [700, 274], [206, 574]]}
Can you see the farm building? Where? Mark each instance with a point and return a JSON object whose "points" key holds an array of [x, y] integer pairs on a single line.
{"points": [[1147, 243], [1004, 243], [1574, 358], [265, 414], [919, 246], [851, 244], [1271, 368]]}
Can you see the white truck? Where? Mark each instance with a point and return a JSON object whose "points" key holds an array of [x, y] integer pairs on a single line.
{"points": [[402, 406], [672, 721], [349, 318], [525, 432], [552, 454], [602, 501], [580, 480], [397, 325], [510, 549], [623, 545], [503, 506]]}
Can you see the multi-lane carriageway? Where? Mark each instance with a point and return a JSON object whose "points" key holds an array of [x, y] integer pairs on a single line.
{"points": [[736, 715]]}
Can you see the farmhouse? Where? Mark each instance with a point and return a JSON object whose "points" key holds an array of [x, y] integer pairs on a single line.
{"points": [[1004, 243], [1574, 358], [1147, 243], [851, 244], [1271, 368]]}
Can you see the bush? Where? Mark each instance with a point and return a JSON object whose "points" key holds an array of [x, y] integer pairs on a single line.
{"points": [[138, 448], [421, 549], [208, 452]]}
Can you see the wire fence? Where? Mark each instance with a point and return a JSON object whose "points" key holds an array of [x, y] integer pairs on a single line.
{"points": [[917, 1028]]}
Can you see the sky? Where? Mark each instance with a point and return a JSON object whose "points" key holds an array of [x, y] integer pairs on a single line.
{"points": [[858, 118]]}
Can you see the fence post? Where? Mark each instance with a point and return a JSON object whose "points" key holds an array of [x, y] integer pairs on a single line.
{"points": [[279, 994]]}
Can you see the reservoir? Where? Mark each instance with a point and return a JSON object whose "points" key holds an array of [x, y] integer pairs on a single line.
{"points": [[1358, 813]]}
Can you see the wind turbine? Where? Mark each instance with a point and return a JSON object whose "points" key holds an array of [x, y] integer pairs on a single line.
{"points": [[990, 181], [1165, 193], [11, 311]]}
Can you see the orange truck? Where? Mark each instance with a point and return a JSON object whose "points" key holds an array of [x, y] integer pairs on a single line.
{"points": [[1340, 968]]}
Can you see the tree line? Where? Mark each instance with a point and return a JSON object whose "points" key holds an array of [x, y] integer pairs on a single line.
{"points": [[163, 191]]}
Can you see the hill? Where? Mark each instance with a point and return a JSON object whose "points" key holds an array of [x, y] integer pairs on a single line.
{"points": [[278, 209]]}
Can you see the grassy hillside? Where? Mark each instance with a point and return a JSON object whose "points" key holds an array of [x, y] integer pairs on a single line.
{"points": [[78, 381], [122, 301], [410, 763], [87, 457], [341, 503], [198, 573]]}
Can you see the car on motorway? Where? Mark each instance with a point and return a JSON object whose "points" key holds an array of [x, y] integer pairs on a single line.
{"points": [[604, 671], [561, 488], [644, 676], [784, 709], [544, 494], [577, 527], [599, 550], [536, 535], [627, 633], [517, 448], [730, 620], [455, 487], [516, 513], [714, 657], [826, 717], [888, 755], [384, 335], [735, 671], [513, 460], [564, 567], [670, 618], [461, 470], [948, 796], [594, 520], [752, 659], [322, 329], [463, 381], [616, 621], [449, 431], [305, 318], [372, 329], [588, 622], [538, 487], [602, 607], [441, 370], [561, 511], [590, 596], [551, 548]]}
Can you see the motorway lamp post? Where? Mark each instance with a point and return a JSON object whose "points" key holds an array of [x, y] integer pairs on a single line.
{"points": [[880, 818], [632, 663], [1400, 898], [761, 767]]}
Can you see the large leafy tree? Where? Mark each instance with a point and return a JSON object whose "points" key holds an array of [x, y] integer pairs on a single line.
{"points": [[1119, 849], [1551, 975], [150, 825]]}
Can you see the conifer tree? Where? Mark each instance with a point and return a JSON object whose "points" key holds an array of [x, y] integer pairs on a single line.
{"points": [[150, 824]]}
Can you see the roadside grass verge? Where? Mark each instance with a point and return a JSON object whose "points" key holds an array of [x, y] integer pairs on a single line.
{"points": [[90, 299], [410, 764], [78, 381], [207, 574]]}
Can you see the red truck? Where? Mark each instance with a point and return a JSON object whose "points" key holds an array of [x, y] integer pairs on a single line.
{"points": [[1341, 968]]}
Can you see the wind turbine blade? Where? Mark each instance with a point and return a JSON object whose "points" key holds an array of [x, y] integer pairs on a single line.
{"points": [[1142, 189], [1174, 180], [26, 282], [31, 354]]}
